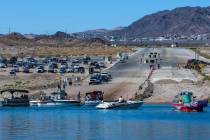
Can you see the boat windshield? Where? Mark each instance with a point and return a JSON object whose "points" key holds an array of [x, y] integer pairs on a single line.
{"points": [[96, 95]]}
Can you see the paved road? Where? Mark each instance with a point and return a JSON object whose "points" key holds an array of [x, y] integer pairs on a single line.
{"points": [[173, 56], [169, 57], [131, 68]]}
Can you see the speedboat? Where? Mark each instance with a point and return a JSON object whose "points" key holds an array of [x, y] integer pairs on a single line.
{"points": [[93, 98], [120, 105], [185, 102], [18, 98]]}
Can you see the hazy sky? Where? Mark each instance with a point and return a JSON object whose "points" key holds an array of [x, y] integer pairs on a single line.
{"points": [[49, 16]]}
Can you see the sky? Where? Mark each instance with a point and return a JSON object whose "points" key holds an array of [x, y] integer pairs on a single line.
{"points": [[49, 16]]}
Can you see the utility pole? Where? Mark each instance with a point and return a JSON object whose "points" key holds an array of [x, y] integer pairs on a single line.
{"points": [[125, 38], [195, 54], [66, 34], [9, 30]]}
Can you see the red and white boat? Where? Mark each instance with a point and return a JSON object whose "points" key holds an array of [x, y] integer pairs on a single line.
{"points": [[185, 102]]}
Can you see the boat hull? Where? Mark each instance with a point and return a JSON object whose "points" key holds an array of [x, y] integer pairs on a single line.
{"points": [[197, 106], [92, 103], [55, 103], [123, 106], [188, 109], [15, 103]]}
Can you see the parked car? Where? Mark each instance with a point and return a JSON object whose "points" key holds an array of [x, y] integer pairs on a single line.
{"points": [[81, 69], [12, 72], [26, 69], [76, 61], [125, 56], [93, 63], [94, 81], [27, 64], [62, 69], [51, 69], [13, 60], [86, 60], [70, 70], [31, 61], [20, 63], [15, 68], [152, 61], [107, 74], [122, 60], [104, 78], [97, 66], [40, 69], [96, 76], [53, 60], [3, 60], [3, 65], [102, 65], [54, 65], [75, 66]]}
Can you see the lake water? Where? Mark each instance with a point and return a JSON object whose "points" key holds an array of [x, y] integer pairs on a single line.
{"points": [[151, 122]]}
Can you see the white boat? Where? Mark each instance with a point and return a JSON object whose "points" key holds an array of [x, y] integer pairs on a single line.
{"points": [[118, 105], [93, 98], [56, 99], [41, 103], [92, 103]]}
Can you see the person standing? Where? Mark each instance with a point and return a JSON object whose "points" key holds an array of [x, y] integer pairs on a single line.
{"points": [[121, 100], [79, 96]]}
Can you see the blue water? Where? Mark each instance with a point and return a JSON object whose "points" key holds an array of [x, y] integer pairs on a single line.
{"points": [[151, 122]]}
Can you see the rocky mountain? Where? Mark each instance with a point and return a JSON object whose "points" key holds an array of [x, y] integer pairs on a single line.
{"points": [[30, 36], [184, 21], [97, 33], [58, 39], [15, 36], [179, 21]]}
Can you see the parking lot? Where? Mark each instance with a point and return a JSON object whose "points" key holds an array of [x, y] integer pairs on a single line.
{"points": [[46, 73]]}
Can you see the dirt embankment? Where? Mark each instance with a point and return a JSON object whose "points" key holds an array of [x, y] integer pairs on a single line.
{"points": [[16, 44], [164, 93], [30, 82]]}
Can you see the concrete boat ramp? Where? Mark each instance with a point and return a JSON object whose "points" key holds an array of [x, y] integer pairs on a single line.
{"points": [[171, 74]]}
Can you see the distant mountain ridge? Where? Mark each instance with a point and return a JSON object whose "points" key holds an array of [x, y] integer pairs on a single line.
{"points": [[183, 21], [179, 21], [54, 40]]}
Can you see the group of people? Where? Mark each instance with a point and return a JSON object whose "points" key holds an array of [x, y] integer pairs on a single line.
{"points": [[66, 82]]}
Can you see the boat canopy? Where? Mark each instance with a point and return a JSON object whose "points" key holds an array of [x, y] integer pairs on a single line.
{"points": [[12, 91]]}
